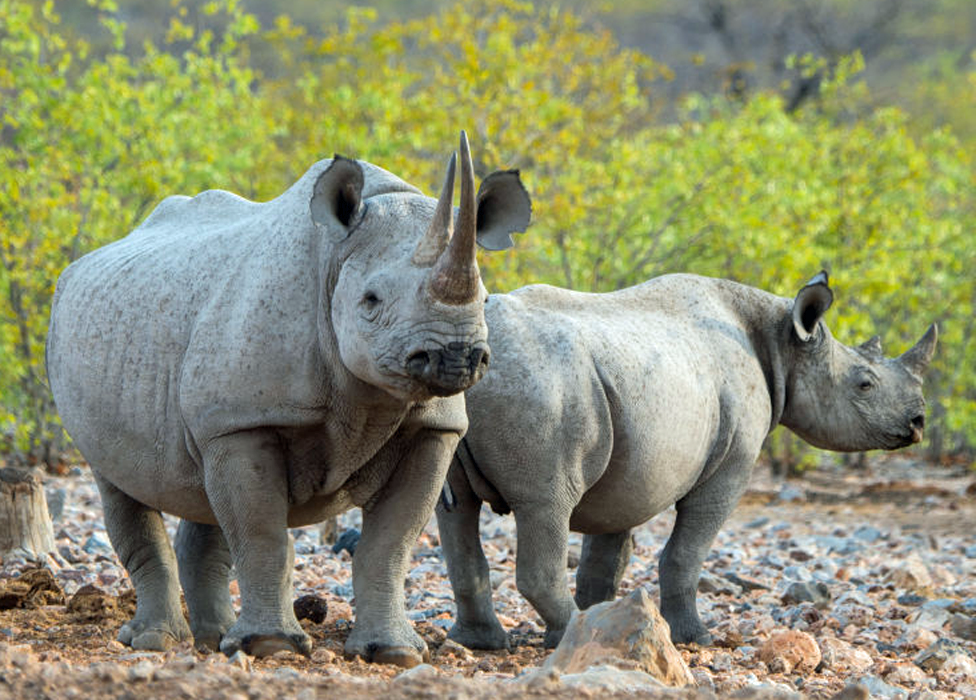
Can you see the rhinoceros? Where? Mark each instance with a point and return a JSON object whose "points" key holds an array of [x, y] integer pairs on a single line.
{"points": [[602, 410], [251, 367]]}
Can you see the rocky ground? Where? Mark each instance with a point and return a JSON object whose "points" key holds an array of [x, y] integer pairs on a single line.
{"points": [[872, 572]]}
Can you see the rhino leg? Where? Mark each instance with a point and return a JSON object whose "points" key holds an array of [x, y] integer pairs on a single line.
{"points": [[204, 560], [139, 537], [477, 627], [392, 521], [247, 488], [603, 561], [700, 515], [540, 566]]}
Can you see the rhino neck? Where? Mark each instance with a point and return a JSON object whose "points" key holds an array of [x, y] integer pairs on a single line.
{"points": [[765, 318]]}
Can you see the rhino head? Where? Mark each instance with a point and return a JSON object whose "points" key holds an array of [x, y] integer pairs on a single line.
{"points": [[407, 306], [850, 399]]}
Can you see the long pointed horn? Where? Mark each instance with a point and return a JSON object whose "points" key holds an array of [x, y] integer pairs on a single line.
{"points": [[917, 357], [442, 225], [455, 277]]}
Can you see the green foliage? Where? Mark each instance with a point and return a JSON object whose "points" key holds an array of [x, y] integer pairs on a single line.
{"points": [[743, 190]]}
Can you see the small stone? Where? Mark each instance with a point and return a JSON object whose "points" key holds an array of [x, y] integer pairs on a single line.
{"points": [[96, 544], [935, 656], [239, 660], [912, 575], [911, 599], [142, 671], [868, 533], [323, 656], [852, 691], [844, 658], [964, 627], [905, 674], [452, 648], [311, 607], [420, 672], [790, 493], [746, 584], [800, 592], [758, 522], [876, 686], [710, 583], [960, 663], [789, 652], [605, 679]]}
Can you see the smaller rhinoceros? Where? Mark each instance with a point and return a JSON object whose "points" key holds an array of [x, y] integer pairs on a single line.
{"points": [[602, 410]]}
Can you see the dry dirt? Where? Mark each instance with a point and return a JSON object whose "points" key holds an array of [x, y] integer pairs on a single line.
{"points": [[59, 650]]}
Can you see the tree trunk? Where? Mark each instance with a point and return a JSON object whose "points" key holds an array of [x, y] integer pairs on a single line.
{"points": [[25, 523]]}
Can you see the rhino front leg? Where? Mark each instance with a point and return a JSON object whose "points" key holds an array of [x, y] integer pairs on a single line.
{"points": [[476, 627], [603, 561], [139, 537], [540, 566], [392, 521], [246, 482], [205, 562], [700, 515]]}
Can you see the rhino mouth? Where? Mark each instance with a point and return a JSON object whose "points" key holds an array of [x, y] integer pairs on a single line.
{"points": [[450, 369]]}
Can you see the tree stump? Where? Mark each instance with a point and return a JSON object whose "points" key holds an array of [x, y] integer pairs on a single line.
{"points": [[25, 523]]}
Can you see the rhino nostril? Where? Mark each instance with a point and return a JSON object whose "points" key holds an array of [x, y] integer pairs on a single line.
{"points": [[417, 363], [478, 359], [918, 422]]}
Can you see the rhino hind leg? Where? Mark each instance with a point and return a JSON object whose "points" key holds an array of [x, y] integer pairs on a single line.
{"points": [[603, 561], [204, 563], [542, 534], [700, 515], [477, 626], [139, 537]]}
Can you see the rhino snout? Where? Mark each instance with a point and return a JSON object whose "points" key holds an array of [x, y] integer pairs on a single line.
{"points": [[450, 369], [917, 427]]}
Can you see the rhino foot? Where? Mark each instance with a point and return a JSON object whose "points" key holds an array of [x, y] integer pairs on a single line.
{"points": [[690, 633], [553, 637], [405, 649], [146, 636], [483, 636], [266, 644]]}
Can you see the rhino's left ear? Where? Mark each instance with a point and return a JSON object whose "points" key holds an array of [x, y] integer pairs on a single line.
{"points": [[338, 196], [504, 208], [917, 358], [871, 349], [810, 304]]}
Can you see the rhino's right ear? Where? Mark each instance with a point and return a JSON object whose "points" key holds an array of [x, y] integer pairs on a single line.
{"points": [[504, 208], [810, 304], [338, 196]]}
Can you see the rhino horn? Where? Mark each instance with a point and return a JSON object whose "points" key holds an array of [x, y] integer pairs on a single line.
{"points": [[455, 277], [442, 225], [917, 358]]}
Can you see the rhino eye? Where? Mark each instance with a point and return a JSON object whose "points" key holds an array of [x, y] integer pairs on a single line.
{"points": [[370, 300], [865, 385]]}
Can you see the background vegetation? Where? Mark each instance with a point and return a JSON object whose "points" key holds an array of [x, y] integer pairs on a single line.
{"points": [[705, 160]]}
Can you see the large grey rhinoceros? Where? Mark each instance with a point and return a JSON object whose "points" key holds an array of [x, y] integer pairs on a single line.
{"points": [[602, 410], [252, 367]]}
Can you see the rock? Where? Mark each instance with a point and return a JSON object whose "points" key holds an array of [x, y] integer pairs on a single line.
{"points": [[868, 533], [844, 658], [905, 674], [790, 652], [758, 522], [911, 599], [452, 648], [746, 584], [935, 656], [929, 617], [788, 493], [877, 687], [347, 541], [142, 671], [911, 575], [96, 544], [630, 628], [311, 607], [852, 691], [916, 638], [964, 627], [609, 679], [960, 663], [420, 672], [239, 660], [801, 592], [323, 656], [55, 502], [710, 583]]}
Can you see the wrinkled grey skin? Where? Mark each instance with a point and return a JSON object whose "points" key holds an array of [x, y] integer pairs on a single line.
{"points": [[602, 410], [252, 367]]}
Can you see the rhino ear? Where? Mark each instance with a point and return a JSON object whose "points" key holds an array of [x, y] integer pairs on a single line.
{"points": [[504, 208], [917, 358], [871, 349], [810, 304], [338, 195]]}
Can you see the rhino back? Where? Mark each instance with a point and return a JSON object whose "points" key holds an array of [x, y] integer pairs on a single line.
{"points": [[663, 374], [211, 301]]}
